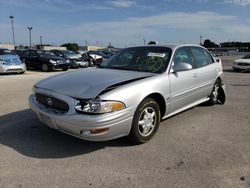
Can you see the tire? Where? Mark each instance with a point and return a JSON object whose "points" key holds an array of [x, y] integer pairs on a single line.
{"points": [[145, 122], [45, 67], [236, 70], [65, 68], [214, 97]]}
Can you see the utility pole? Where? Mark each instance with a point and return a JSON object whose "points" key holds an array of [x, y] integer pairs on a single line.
{"points": [[200, 40], [13, 32], [30, 28], [144, 42], [41, 41]]}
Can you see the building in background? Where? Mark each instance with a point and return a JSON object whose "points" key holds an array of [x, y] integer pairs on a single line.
{"points": [[7, 46], [53, 48], [91, 48]]}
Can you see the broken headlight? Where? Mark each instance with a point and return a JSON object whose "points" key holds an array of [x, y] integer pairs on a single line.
{"points": [[98, 106]]}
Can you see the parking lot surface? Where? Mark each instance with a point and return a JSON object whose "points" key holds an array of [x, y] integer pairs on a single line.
{"points": [[206, 146]]}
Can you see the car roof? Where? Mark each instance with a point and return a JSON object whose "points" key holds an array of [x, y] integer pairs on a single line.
{"points": [[172, 46]]}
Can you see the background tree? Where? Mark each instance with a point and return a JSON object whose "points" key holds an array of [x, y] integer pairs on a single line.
{"points": [[209, 44], [71, 46]]}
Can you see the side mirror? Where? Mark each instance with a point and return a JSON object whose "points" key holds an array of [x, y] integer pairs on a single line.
{"points": [[218, 60], [181, 66]]}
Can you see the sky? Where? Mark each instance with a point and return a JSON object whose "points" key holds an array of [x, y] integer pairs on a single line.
{"points": [[125, 23]]}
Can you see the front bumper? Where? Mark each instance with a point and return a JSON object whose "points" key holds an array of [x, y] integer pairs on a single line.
{"points": [[79, 63], [241, 67], [60, 66], [13, 68], [79, 125]]}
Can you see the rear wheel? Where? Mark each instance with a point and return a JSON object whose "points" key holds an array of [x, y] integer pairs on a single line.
{"points": [[45, 67], [214, 97], [145, 122], [65, 68]]}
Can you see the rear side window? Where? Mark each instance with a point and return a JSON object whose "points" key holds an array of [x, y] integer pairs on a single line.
{"points": [[33, 53], [202, 57]]}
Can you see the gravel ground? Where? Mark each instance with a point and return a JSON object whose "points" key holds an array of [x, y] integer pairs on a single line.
{"points": [[206, 146]]}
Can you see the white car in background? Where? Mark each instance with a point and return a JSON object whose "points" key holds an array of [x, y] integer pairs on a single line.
{"points": [[242, 64]]}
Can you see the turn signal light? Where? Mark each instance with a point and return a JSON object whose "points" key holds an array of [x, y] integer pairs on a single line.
{"points": [[98, 131]]}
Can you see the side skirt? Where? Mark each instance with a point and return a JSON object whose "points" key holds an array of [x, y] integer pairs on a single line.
{"points": [[187, 107]]}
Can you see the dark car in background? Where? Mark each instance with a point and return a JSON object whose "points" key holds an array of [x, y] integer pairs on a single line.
{"points": [[44, 60], [75, 59]]}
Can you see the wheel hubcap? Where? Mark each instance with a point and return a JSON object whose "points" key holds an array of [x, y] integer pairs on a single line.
{"points": [[147, 121], [215, 92], [44, 67]]}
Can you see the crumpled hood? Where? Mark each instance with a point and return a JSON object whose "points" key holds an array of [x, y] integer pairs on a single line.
{"points": [[88, 83]]}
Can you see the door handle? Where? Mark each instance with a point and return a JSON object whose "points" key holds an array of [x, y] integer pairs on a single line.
{"points": [[195, 75]]}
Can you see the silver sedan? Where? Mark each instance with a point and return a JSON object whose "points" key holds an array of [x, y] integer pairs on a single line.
{"points": [[10, 62], [130, 93]]}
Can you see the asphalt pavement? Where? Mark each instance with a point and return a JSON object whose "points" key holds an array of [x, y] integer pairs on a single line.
{"points": [[206, 146]]}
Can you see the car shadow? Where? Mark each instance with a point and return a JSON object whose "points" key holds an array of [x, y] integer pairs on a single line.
{"points": [[232, 71], [23, 132]]}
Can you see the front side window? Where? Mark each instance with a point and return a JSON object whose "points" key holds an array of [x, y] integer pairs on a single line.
{"points": [[183, 55], [202, 57], [142, 59]]}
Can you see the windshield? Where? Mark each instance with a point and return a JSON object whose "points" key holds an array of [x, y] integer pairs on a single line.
{"points": [[6, 52], [143, 59], [46, 54], [68, 52], [246, 57]]}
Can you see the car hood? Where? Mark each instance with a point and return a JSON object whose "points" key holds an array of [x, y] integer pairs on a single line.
{"points": [[88, 83], [8, 57]]}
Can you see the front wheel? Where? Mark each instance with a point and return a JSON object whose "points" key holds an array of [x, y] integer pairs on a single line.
{"points": [[145, 122]]}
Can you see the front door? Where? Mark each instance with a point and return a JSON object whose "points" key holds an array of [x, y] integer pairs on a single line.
{"points": [[183, 84]]}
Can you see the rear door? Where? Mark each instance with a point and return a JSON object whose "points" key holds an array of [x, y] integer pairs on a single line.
{"points": [[183, 84], [25, 57], [207, 70]]}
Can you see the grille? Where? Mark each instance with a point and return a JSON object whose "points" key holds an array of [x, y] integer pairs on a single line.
{"points": [[244, 64], [52, 102], [60, 62], [12, 70]]}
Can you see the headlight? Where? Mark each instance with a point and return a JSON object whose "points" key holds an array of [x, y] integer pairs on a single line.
{"points": [[2, 62], [52, 61], [34, 88], [98, 106]]}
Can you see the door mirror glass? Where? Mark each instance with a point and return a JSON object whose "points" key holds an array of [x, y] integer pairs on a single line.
{"points": [[182, 66]]}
